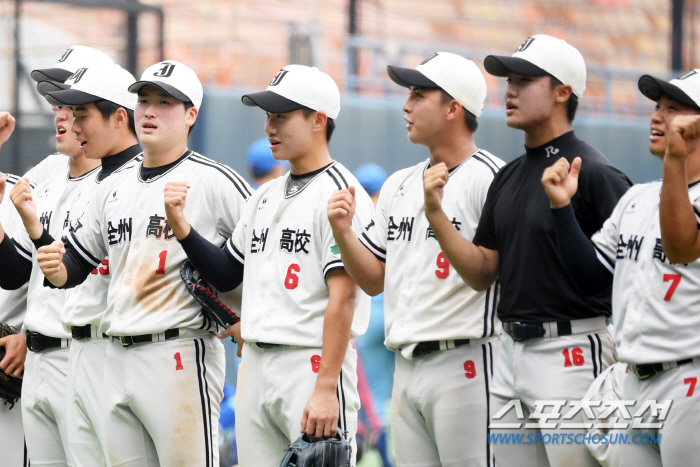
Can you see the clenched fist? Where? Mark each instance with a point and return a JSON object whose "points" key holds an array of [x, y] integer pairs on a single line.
{"points": [[175, 201], [434, 181], [341, 209], [560, 183], [50, 259], [683, 136]]}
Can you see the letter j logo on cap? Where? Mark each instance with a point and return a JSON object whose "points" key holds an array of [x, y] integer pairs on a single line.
{"points": [[276, 80], [526, 44], [65, 55], [165, 71]]}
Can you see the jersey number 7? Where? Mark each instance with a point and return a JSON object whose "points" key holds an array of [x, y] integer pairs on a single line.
{"points": [[675, 280]]}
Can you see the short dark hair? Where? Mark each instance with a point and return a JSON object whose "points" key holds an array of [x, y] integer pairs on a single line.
{"points": [[571, 104], [469, 118], [188, 106], [107, 109], [330, 123]]}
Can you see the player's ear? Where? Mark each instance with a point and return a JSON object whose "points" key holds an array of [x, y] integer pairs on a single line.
{"points": [[319, 121], [563, 92], [454, 110], [121, 118], [191, 116]]}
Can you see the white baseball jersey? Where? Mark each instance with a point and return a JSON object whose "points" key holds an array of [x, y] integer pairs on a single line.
{"points": [[86, 302], [47, 168], [654, 301], [53, 199], [424, 298], [126, 222], [286, 243], [13, 303]]}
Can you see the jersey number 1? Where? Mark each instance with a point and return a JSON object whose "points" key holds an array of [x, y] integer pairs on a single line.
{"points": [[161, 264]]}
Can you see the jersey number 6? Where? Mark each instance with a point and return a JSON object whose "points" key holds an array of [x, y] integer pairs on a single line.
{"points": [[291, 280]]}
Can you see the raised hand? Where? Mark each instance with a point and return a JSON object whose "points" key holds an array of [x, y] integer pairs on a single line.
{"points": [[560, 182], [434, 181], [341, 209], [175, 201], [50, 259], [683, 137], [7, 126]]}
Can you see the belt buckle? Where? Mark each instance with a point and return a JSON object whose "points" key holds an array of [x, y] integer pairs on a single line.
{"points": [[126, 341], [642, 376], [34, 342]]}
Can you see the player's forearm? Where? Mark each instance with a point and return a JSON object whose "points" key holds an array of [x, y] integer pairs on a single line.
{"points": [[15, 270], [212, 262], [680, 236], [59, 278], [337, 323], [476, 269], [33, 227], [364, 268]]}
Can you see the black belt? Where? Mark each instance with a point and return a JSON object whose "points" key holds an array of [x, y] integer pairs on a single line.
{"points": [[266, 345], [126, 341], [83, 332], [527, 331], [648, 370], [424, 348], [37, 342]]}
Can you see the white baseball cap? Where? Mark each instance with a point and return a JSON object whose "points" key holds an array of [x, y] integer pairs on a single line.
{"points": [[178, 80], [87, 85], [296, 87], [684, 89], [454, 74], [73, 58], [543, 55]]}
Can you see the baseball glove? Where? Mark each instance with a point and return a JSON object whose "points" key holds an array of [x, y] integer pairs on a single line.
{"points": [[212, 307], [308, 451], [10, 387]]}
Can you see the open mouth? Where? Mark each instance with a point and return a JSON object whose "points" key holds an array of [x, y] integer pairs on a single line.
{"points": [[149, 126], [60, 131], [82, 144], [274, 144]]}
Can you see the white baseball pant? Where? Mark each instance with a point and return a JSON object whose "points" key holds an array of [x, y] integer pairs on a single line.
{"points": [[274, 386]]}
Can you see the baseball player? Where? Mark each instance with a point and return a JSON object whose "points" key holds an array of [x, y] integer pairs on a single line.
{"points": [[43, 401], [104, 127], [654, 299], [556, 340], [300, 308], [441, 329], [164, 368]]}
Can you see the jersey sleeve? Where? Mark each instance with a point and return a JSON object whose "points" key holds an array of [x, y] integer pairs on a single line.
{"points": [[485, 235], [600, 188], [606, 239], [227, 198], [85, 232], [374, 233], [331, 258], [235, 245]]}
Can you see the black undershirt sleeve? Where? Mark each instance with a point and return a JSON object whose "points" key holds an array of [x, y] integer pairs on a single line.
{"points": [[578, 254], [77, 269], [45, 239], [15, 269], [212, 262]]}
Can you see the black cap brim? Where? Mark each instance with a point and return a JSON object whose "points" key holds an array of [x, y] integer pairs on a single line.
{"points": [[171, 90], [654, 88], [408, 77], [44, 87], [271, 102], [50, 74], [70, 97], [501, 65]]}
